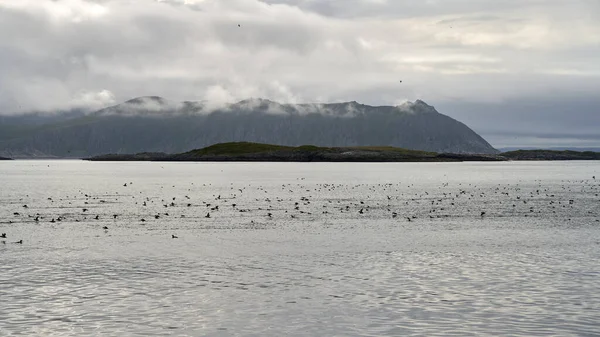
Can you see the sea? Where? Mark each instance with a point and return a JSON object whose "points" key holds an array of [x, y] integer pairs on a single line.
{"points": [[299, 249]]}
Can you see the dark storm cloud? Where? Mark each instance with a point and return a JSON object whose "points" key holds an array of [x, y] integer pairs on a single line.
{"points": [[478, 61]]}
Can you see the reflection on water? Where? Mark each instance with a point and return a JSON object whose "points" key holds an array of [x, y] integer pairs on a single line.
{"points": [[307, 250]]}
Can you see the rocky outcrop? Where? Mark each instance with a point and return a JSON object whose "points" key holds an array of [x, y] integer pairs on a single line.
{"points": [[551, 155]]}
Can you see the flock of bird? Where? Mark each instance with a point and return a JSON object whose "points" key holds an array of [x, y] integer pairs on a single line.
{"points": [[254, 207]]}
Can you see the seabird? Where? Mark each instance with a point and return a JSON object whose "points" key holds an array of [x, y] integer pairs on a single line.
{"points": [[173, 236]]}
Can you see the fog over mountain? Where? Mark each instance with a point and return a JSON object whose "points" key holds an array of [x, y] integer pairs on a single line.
{"points": [[154, 124], [521, 73]]}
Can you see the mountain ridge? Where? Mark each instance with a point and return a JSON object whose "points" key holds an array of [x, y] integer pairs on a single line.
{"points": [[155, 124]]}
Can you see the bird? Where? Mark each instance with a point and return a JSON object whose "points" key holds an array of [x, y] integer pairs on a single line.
{"points": [[3, 236], [482, 213], [173, 236], [207, 215], [239, 25], [20, 241], [105, 228]]}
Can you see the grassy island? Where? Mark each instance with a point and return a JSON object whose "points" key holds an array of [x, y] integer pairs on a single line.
{"points": [[246, 151]]}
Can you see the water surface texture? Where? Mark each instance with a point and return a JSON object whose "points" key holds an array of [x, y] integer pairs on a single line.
{"points": [[299, 249]]}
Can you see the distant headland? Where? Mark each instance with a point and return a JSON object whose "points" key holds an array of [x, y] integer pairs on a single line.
{"points": [[551, 155]]}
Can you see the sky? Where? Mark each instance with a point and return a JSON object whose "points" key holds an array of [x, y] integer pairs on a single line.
{"points": [[518, 72]]}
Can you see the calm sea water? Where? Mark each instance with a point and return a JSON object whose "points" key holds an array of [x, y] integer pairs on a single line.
{"points": [[311, 249]]}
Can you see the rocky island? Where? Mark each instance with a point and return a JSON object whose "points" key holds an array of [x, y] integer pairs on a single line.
{"points": [[550, 155]]}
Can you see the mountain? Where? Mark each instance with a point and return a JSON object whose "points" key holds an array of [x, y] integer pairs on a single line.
{"points": [[154, 124]]}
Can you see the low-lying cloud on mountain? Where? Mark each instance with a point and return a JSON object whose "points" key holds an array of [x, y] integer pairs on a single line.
{"points": [[462, 55], [154, 124]]}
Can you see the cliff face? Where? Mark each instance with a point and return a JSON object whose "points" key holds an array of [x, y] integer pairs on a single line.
{"points": [[153, 124]]}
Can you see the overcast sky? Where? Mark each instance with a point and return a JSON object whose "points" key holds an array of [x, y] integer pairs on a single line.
{"points": [[519, 72]]}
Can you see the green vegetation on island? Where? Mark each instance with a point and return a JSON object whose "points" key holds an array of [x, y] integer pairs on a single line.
{"points": [[247, 151]]}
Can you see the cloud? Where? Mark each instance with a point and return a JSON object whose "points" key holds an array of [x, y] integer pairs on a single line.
{"points": [[93, 100], [58, 54]]}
